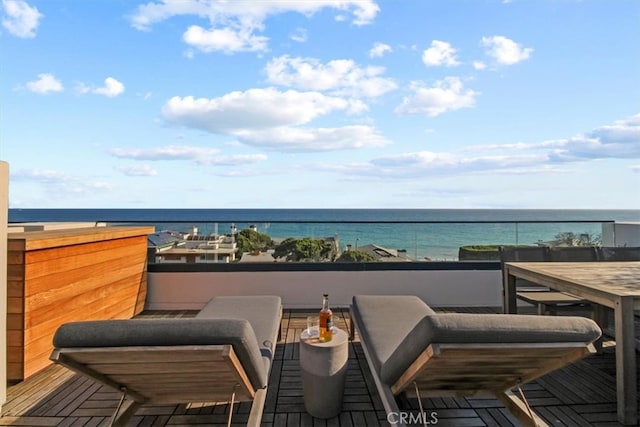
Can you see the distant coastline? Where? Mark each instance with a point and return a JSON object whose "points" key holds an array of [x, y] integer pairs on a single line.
{"points": [[435, 234]]}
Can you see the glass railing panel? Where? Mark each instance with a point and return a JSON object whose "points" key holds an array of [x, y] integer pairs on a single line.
{"points": [[413, 241]]}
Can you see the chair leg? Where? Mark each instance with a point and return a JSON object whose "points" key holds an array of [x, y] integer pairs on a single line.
{"points": [[521, 410], [124, 413], [600, 317], [257, 407], [352, 331], [542, 309]]}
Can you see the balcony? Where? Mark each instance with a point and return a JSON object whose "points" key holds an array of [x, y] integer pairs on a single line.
{"points": [[582, 394]]}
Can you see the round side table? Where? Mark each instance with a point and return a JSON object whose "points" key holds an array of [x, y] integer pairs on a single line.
{"points": [[324, 368]]}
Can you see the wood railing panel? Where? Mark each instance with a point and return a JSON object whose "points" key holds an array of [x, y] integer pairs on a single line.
{"points": [[97, 307], [52, 267], [43, 320], [34, 240], [68, 275], [44, 255], [81, 284]]}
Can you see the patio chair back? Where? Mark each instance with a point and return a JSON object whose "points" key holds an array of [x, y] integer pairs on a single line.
{"points": [[524, 254], [623, 253], [573, 253]]}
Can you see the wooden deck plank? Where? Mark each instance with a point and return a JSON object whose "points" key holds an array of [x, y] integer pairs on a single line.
{"points": [[582, 394]]}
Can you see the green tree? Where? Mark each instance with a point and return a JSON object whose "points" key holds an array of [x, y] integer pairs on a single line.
{"points": [[304, 249], [355, 256], [249, 240], [568, 238]]}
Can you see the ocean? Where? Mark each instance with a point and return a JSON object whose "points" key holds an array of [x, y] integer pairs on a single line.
{"points": [[434, 234]]}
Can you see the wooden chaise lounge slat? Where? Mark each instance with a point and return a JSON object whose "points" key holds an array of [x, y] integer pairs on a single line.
{"points": [[183, 381], [412, 349], [462, 370]]}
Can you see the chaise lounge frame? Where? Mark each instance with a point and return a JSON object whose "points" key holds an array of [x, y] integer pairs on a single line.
{"points": [[476, 370], [166, 375]]}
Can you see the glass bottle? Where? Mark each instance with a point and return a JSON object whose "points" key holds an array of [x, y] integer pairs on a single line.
{"points": [[325, 320]]}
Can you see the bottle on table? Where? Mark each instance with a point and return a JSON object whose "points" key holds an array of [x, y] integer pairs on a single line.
{"points": [[325, 320]]}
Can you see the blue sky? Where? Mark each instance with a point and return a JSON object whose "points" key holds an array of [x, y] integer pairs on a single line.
{"points": [[321, 103]]}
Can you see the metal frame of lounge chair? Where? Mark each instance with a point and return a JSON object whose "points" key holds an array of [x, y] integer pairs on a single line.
{"points": [[464, 370], [166, 375]]}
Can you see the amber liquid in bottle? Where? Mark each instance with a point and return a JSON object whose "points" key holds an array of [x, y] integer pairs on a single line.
{"points": [[325, 320]]}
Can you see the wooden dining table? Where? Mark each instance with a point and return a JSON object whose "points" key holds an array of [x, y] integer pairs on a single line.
{"points": [[610, 284]]}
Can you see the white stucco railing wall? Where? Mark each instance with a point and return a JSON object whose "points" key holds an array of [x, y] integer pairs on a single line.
{"points": [[304, 289], [621, 234], [4, 212]]}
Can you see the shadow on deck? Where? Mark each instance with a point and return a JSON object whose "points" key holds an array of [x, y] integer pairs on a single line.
{"points": [[582, 394]]}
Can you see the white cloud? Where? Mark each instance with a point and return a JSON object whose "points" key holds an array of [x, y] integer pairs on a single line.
{"points": [[20, 19], [621, 131], [137, 170], [444, 96], [620, 140], [379, 49], [426, 163], [252, 109], [172, 152], [41, 175], [340, 76], [314, 139], [479, 65], [440, 53], [273, 119], [60, 183], [505, 51], [227, 40], [111, 88], [233, 24], [238, 159], [46, 83], [199, 155]]}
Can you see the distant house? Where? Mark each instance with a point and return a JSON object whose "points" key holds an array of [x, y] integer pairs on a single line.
{"points": [[173, 247], [384, 254]]}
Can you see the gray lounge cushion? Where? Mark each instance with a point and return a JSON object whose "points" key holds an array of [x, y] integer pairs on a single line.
{"points": [[169, 332], [485, 328], [263, 312], [385, 321]]}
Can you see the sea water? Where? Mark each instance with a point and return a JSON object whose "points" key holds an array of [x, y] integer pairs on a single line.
{"points": [[434, 234]]}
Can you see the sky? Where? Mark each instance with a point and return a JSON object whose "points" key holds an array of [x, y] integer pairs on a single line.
{"points": [[321, 103]]}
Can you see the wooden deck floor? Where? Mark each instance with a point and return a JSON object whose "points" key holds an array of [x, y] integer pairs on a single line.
{"points": [[582, 394]]}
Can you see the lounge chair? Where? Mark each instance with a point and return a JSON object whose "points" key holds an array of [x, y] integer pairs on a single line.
{"points": [[409, 347], [222, 355]]}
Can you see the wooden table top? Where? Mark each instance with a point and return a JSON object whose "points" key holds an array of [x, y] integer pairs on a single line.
{"points": [[616, 279]]}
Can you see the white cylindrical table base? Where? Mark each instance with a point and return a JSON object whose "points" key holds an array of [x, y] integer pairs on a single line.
{"points": [[324, 369]]}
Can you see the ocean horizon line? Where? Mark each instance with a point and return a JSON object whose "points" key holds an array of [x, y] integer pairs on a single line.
{"points": [[433, 233]]}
